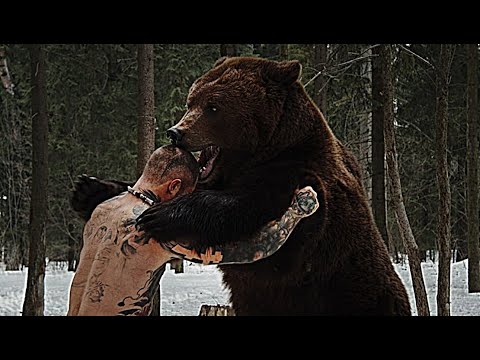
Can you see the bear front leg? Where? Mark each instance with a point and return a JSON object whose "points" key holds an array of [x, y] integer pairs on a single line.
{"points": [[89, 192], [214, 217]]}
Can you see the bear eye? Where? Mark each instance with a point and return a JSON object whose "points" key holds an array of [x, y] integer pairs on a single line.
{"points": [[212, 108]]}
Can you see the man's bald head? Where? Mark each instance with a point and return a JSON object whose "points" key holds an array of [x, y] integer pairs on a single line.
{"points": [[170, 162]]}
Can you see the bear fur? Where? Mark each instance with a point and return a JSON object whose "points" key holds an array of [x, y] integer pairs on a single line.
{"points": [[273, 139]]}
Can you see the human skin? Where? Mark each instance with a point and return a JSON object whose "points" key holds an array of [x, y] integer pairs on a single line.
{"points": [[120, 269]]}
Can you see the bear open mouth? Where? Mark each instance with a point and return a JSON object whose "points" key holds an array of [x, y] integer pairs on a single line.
{"points": [[207, 159]]}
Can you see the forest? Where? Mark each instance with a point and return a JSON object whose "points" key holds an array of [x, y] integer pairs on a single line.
{"points": [[408, 112]]}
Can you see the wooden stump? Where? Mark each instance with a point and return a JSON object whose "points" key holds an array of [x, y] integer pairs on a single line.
{"points": [[216, 310]]}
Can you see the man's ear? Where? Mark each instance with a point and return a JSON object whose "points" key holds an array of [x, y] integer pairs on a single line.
{"points": [[174, 187], [283, 72]]}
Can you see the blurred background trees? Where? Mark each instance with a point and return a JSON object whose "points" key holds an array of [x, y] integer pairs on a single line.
{"points": [[92, 95]]}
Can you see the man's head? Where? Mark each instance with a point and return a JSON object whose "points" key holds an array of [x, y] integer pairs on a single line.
{"points": [[169, 172]]}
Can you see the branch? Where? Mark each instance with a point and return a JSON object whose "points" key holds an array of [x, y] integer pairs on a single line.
{"points": [[347, 64], [416, 55]]}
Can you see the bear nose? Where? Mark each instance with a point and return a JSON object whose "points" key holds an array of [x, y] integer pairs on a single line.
{"points": [[175, 135]]}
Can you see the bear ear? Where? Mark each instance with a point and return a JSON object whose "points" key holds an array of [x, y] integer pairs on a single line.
{"points": [[220, 61], [284, 72]]}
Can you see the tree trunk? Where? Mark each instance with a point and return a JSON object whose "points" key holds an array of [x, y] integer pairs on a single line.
{"points": [[71, 249], [320, 83], [228, 50], [283, 51], [269, 51], [472, 171], [34, 295], [146, 123], [444, 205], [146, 106], [380, 107], [396, 192], [5, 74], [365, 128]]}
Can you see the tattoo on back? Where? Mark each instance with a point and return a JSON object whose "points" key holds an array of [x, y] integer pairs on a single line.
{"points": [[264, 243], [140, 304]]}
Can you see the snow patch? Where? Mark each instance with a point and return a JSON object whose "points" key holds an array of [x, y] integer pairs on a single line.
{"points": [[183, 294]]}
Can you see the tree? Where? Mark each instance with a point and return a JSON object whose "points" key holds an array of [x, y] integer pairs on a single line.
{"points": [[320, 83], [283, 51], [146, 123], [444, 205], [72, 263], [15, 161], [34, 295], [228, 50], [365, 129], [146, 106], [396, 187], [5, 74], [472, 170], [380, 103]]}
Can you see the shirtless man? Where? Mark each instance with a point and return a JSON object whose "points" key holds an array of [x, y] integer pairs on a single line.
{"points": [[120, 269]]}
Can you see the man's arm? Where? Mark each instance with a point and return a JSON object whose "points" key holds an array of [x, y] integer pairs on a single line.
{"points": [[263, 243], [89, 192], [214, 217]]}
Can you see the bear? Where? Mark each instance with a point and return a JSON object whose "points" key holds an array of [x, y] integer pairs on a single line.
{"points": [[262, 137], [120, 270]]}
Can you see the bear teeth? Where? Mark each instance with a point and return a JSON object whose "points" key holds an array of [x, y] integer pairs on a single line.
{"points": [[207, 161]]}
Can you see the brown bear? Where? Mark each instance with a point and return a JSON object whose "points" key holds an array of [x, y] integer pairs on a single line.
{"points": [[261, 138]]}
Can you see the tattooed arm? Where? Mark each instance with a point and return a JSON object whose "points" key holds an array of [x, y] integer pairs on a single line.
{"points": [[263, 243], [127, 266]]}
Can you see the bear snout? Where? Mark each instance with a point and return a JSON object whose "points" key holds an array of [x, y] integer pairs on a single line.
{"points": [[175, 135]]}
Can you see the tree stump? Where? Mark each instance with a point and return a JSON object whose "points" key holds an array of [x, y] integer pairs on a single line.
{"points": [[216, 310]]}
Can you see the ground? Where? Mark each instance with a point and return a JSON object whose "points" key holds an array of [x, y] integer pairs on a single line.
{"points": [[183, 294]]}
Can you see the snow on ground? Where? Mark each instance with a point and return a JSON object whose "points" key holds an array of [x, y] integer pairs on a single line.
{"points": [[462, 303], [183, 294]]}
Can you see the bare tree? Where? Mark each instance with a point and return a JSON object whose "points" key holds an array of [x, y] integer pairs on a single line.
{"points": [[146, 123], [34, 295], [5, 74], [444, 205], [320, 82], [146, 106], [472, 170], [365, 127], [395, 187], [283, 51], [380, 107], [228, 50]]}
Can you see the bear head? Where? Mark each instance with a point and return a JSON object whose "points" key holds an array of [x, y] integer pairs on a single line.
{"points": [[233, 110]]}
